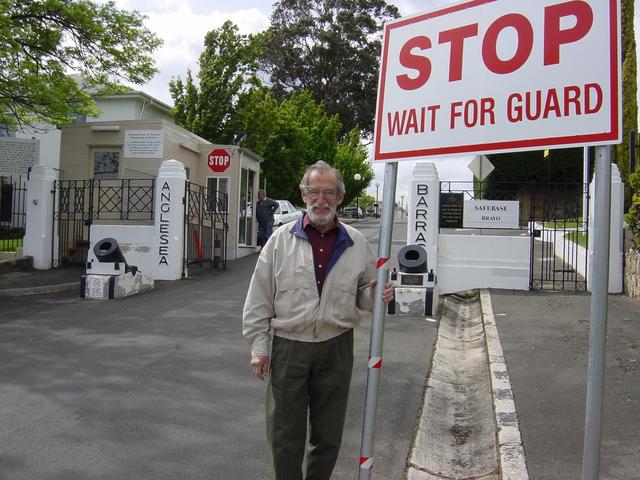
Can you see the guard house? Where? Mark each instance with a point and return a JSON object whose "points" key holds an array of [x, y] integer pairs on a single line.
{"points": [[222, 180]]}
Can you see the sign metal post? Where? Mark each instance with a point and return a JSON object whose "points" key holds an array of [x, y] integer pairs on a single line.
{"points": [[377, 327], [599, 305]]}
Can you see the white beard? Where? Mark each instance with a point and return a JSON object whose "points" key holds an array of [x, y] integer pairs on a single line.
{"points": [[321, 219]]}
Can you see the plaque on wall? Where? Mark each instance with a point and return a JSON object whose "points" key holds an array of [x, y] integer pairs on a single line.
{"points": [[144, 144], [451, 210]]}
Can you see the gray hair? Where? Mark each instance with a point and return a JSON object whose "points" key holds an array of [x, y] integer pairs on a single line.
{"points": [[321, 166]]}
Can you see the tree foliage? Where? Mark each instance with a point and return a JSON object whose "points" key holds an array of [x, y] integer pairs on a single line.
{"points": [[227, 68], [289, 135], [351, 158], [633, 215], [44, 40], [629, 87], [330, 48]]}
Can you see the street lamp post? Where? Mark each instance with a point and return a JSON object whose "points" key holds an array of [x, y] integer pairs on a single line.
{"points": [[357, 177]]}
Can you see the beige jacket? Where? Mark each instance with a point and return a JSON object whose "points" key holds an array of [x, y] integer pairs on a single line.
{"points": [[283, 297]]}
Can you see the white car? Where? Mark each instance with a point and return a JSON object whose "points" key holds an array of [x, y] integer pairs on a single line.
{"points": [[285, 213]]}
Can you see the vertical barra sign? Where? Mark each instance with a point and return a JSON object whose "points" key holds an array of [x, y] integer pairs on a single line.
{"points": [[499, 75]]}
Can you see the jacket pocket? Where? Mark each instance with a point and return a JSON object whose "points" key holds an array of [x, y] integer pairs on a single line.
{"points": [[292, 306], [345, 313]]}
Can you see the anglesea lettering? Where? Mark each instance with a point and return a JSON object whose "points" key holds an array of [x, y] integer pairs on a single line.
{"points": [[165, 210]]}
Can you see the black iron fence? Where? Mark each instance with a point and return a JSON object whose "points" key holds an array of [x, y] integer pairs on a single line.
{"points": [[554, 215], [13, 212], [206, 226], [80, 203]]}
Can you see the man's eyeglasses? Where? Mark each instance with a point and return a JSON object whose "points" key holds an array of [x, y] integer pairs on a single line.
{"points": [[315, 192]]}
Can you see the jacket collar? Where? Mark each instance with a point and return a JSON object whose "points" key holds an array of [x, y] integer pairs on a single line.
{"points": [[344, 238]]}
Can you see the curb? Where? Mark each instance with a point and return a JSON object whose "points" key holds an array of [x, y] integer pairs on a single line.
{"points": [[512, 459], [20, 292]]}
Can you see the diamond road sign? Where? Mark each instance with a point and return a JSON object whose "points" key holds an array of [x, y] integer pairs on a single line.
{"points": [[481, 167]]}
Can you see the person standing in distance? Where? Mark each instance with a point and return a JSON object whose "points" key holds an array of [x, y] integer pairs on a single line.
{"points": [[311, 284], [265, 208]]}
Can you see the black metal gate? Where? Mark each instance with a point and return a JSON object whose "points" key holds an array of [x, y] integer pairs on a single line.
{"points": [[79, 203], [559, 237], [13, 212], [206, 227], [552, 215]]}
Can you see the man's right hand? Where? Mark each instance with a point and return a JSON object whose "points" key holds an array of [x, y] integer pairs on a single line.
{"points": [[260, 365]]}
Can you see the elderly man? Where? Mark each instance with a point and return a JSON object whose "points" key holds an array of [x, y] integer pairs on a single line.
{"points": [[310, 286]]}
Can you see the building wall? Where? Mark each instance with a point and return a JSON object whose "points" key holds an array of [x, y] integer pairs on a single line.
{"points": [[116, 109], [78, 141], [129, 107], [239, 158]]}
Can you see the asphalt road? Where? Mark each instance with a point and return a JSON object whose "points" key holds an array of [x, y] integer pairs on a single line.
{"points": [[158, 386]]}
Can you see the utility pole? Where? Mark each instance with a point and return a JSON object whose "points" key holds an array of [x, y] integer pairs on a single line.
{"points": [[357, 177]]}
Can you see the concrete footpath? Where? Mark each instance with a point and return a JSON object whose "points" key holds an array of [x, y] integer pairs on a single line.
{"points": [[545, 340]]}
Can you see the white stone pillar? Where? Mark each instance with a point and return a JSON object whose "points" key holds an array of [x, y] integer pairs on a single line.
{"points": [[616, 254], [168, 243], [39, 222], [424, 211]]}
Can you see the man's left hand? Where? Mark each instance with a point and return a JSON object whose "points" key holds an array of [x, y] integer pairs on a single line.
{"points": [[387, 293]]}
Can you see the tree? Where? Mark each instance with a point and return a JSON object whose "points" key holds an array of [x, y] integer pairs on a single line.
{"points": [[351, 158], [632, 217], [289, 135], [629, 87], [330, 48], [43, 40], [227, 68], [365, 201]]}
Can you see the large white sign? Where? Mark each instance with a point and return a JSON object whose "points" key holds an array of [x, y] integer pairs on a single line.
{"points": [[499, 75], [491, 214]]}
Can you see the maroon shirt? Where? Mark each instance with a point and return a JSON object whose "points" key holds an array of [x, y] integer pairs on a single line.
{"points": [[322, 245]]}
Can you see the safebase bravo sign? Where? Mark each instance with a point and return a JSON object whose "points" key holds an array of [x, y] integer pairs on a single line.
{"points": [[499, 75]]}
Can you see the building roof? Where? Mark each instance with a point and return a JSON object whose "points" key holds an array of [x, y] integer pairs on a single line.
{"points": [[136, 93]]}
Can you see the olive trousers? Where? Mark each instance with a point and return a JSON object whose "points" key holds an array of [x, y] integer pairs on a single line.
{"points": [[308, 385]]}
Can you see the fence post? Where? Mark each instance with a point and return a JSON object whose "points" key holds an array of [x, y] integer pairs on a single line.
{"points": [[169, 210], [38, 233]]}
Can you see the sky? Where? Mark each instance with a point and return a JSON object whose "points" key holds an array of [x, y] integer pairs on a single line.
{"points": [[183, 24]]}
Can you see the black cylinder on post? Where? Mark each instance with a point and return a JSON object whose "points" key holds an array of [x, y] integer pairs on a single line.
{"points": [[108, 250], [412, 259]]}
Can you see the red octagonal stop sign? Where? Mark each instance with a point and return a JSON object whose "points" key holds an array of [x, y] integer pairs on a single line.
{"points": [[219, 160]]}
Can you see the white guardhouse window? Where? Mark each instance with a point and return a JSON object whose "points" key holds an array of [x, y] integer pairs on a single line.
{"points": [[106, 164], [218, 192], [245, 212]]}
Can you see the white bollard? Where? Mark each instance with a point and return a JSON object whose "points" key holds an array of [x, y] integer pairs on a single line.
{"points": [[169, 221], [424, 211], [38, 236]]}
